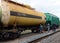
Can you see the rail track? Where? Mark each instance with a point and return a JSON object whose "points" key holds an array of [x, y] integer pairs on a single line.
{"points": [[39, 39]]}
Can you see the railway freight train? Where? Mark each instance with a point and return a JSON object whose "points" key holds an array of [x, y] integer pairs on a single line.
{"points": [[15, 18]]}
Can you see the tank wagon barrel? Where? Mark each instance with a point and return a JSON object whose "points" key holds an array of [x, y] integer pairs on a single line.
{"points": [[21, 15]]}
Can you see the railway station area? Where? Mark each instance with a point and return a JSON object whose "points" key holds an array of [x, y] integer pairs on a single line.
{"points": [[33, 21]]}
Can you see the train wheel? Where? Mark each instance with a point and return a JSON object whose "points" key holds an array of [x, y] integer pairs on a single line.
{"points": [[15, 35], [11, 35], [6, 35], [19, 33], [1, 37]]}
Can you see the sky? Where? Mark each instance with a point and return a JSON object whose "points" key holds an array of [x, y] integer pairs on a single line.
{"points": [[45, 6]]}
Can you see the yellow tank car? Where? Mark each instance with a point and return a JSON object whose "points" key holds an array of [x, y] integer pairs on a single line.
{"points": [[16, 18], [21, 15]]}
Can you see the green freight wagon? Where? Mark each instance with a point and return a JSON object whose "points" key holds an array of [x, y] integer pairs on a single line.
{"points": [[59, 22], [52, 19]]}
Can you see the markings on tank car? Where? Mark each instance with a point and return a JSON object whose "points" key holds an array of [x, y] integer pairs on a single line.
{"points": [[24, 15]]}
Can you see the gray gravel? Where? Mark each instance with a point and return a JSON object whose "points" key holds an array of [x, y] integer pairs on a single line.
{"points": [[52, 39]]}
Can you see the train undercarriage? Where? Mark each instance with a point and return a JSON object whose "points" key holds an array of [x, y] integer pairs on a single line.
{"points": [[12, 32]]}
